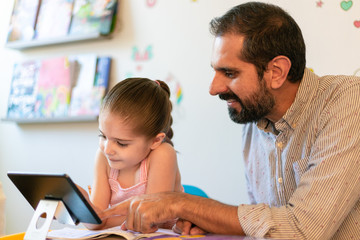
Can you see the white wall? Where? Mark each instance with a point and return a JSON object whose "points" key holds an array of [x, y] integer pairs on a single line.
{"points": [[177, 31]]}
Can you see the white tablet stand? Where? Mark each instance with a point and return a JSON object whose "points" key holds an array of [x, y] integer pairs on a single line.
{"points": [[52, 208]]}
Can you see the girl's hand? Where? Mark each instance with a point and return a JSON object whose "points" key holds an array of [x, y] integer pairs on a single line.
{"points": [[84, 193], [96, 209]]}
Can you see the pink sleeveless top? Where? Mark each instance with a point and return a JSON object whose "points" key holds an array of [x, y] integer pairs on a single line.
{"points": [[119, 194]]}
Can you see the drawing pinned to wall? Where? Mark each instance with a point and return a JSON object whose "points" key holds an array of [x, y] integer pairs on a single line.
{"points": [[357, 23], [138, 56], [319, 3], [143, 61], [145, 56], [129, 75], [150, 3], [175, 89], [346, 5]]}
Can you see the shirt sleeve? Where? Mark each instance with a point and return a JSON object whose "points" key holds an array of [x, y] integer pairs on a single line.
{"points": [[329, 189]]}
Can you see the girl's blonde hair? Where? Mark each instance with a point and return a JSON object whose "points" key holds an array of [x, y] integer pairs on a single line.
{"points": [[143, 103]]}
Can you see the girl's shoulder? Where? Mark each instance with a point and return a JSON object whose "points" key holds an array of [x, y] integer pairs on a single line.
{"points": [[163, 152], [165, 148], [165, 145]]}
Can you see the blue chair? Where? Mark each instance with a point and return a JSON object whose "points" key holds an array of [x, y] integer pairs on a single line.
{"points": [[194, 191]]}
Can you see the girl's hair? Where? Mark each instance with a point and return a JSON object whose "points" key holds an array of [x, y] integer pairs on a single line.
{"points": [[143, 103]]}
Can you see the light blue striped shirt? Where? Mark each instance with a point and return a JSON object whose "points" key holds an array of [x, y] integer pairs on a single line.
{"points": [[303, 172]]}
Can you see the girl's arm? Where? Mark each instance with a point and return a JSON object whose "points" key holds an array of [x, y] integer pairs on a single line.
{"points": [[100, 192], [163, 172]]}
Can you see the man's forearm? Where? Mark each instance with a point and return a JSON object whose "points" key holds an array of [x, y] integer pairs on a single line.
{"points": [[210, 215]]}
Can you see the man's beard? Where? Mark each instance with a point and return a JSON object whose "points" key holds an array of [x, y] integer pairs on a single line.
{"points": [[253, 109]]}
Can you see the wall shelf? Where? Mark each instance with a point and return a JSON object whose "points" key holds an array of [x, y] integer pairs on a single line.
{"points": [[20, 45], [52, 120]]}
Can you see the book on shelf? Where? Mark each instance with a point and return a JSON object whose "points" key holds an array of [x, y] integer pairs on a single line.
{"points": [[101, 83], [53, 88], [59, 87], [84, 70], [45, 22], [93, 16], [54, 19], [74, 233], [23, 20], [23, 90]]}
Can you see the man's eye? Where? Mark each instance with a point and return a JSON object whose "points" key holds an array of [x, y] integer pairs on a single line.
{"points": [[229, 74]]}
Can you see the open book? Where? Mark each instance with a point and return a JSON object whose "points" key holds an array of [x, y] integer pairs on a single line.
{"points": [[74, 233]]}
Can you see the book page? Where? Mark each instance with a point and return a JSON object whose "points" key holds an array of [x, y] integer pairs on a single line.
{"points": [[74, 233]]}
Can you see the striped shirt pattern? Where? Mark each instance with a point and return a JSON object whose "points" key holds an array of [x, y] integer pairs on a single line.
{"points": [[303, 172]]}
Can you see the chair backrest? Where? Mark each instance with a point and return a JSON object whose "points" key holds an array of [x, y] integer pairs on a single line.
{"points": [[194, 191]]}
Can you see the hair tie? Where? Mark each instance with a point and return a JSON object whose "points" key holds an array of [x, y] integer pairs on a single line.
{"points": [[157, 82]]}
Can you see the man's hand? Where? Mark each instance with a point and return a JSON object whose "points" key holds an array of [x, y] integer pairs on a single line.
{"points": [[145, 213], [185, 227]]}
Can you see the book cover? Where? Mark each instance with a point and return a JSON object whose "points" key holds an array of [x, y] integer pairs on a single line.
{"points": [[93, 16], [23, 20], [53, 19], [23, 90], [91, 85], [83, 74], [53, 88], [101, 84]]}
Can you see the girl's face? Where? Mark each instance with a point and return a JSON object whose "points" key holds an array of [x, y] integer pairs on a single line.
{"points": [[122, 148]]}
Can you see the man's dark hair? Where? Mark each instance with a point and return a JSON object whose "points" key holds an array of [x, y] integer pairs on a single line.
{"points": [[268, 32]]}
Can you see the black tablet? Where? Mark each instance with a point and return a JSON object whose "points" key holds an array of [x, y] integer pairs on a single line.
{"points": [[37, 186]]}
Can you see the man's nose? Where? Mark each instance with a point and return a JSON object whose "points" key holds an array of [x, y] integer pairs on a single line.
{"points": [[217, 85]]}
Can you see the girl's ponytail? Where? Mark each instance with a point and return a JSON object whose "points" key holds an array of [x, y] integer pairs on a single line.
{"points": [[169, 132]]}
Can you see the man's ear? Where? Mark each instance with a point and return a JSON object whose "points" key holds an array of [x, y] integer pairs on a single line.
{"points": [[280, 67], [157, 140]]}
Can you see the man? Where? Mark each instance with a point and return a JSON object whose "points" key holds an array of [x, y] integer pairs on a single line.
{"points": [[301, 141]]}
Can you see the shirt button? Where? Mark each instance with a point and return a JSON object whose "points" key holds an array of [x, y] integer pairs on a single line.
{"points": [[280, 180], [279, 144]]}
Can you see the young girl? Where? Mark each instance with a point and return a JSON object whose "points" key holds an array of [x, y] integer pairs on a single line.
{"points": [[135, 154]]}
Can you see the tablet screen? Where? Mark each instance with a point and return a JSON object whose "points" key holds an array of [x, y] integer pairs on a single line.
{"points": [[37, 186]]}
